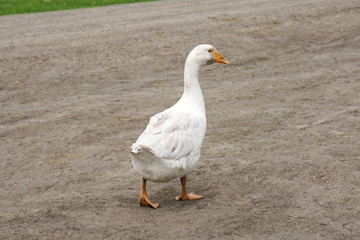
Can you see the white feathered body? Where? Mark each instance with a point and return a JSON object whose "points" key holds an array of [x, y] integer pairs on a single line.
{"points": [[170, 145]]}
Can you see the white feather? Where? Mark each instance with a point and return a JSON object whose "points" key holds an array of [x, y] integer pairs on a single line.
{"points": [[170, 145]]}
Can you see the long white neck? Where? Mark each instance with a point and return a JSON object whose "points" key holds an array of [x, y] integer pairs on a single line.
{"points": [[192, 91]]}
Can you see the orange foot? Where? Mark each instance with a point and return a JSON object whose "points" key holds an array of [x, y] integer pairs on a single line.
{"points": [[190, 196], [145, 201]]}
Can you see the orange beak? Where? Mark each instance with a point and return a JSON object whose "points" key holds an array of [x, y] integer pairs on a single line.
{"points": [[219, 58]]}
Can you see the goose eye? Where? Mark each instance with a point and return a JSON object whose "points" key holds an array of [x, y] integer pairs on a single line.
{"points": [[210, 50]]}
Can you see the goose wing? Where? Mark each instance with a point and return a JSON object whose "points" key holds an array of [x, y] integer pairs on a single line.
{"points": [[171, 135]]}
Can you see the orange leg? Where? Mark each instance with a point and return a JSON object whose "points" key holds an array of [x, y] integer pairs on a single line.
{"points": [[184, 195], [144, 200]]}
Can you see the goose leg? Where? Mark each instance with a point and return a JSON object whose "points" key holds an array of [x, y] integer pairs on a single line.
{"points": [[184, 195], [144, 200]]}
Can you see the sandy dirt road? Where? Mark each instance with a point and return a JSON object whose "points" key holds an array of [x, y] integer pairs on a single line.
{"points": [[281, 156]]}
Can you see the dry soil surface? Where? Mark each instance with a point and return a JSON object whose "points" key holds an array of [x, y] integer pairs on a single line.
{"points": [[281, 156]]}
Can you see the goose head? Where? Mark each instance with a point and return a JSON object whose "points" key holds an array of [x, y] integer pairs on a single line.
{"points": [[206, 54]]}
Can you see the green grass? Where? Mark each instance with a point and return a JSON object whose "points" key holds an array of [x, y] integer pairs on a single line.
{"points": [[8, 7]]}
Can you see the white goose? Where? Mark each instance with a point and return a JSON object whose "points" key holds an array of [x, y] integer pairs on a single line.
{"points": [[170, 145]]}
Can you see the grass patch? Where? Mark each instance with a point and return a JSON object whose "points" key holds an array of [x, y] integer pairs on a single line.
{"points": [[8, 7]]}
